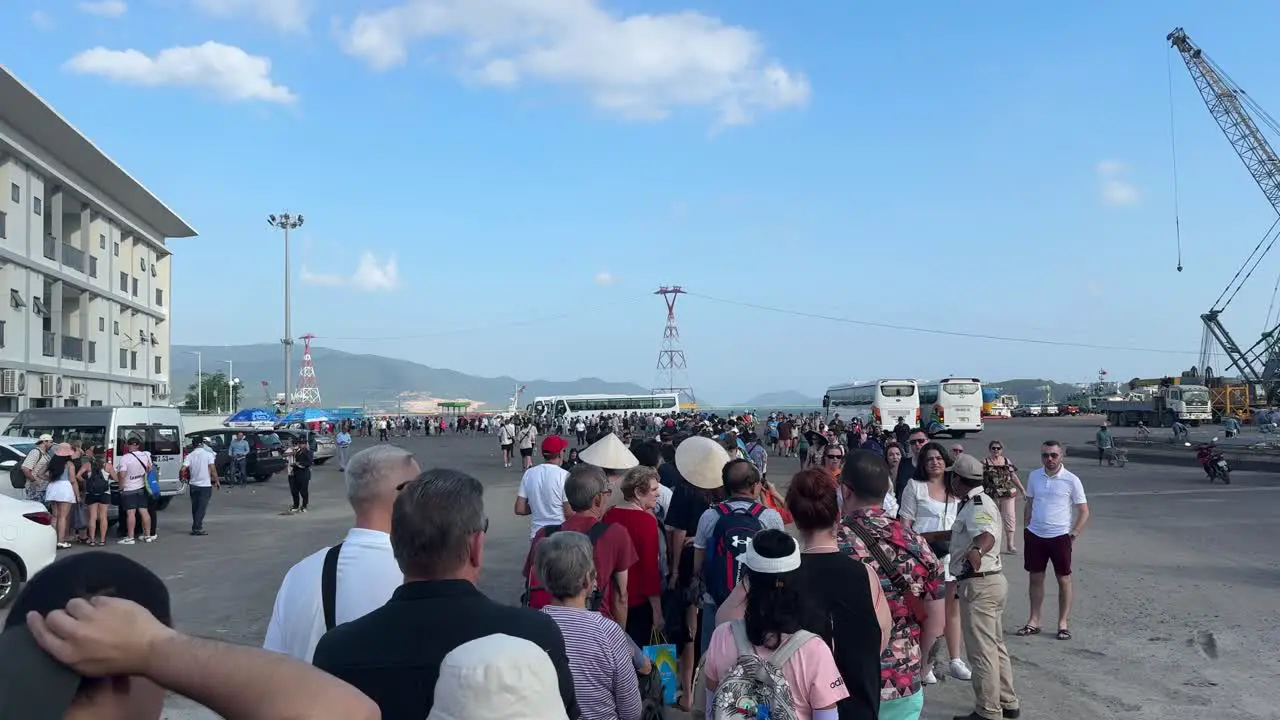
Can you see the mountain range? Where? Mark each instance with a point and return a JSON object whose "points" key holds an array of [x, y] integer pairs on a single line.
{"points": [[350, 379]]}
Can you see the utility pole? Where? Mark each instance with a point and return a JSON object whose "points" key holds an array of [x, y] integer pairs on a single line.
{"points": [[287, 222], [199, 379], [231, 386]]}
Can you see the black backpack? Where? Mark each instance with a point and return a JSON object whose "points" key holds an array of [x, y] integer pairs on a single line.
{"points": [[735, 527]]}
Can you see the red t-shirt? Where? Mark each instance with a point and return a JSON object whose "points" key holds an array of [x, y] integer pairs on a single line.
{"points": [[614, 553], [644, 580]]}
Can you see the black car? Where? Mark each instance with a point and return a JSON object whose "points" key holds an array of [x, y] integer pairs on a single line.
{"points": [[266, 451]]}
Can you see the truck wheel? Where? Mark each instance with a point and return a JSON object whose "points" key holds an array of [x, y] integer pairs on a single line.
{"points": [[957, 435]]}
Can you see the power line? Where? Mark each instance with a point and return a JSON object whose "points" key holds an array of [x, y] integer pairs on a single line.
{"points": [[934, 331], [591, 309]]}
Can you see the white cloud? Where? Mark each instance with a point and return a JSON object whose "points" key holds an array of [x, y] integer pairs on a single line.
{"points": [[641, 67], [1113, 189], [226, 70], [282, 15], [42, 20], [104, 8], [604, 277], [370, 275]]}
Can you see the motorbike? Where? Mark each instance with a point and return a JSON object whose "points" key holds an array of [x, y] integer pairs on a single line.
{"points": [[1214, 463]]}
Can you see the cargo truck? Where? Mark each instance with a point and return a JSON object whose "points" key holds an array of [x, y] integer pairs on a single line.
{"points": [[1160, 406]]}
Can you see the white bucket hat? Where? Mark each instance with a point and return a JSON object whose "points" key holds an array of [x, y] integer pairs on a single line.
{"points": [[700, 460], [497, 677], [609, 453]]}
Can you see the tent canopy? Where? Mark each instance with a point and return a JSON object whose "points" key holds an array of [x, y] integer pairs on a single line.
{"points": [[251, 417]]}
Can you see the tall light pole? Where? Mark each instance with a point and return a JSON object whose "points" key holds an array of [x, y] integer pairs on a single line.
{"points": [[231, 385], [199, 379], [287, 222]]}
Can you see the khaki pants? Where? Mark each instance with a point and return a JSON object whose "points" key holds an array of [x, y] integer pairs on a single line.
{"points": [[982, 602]]}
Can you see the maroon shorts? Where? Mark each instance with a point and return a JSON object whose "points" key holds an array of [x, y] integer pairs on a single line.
{"points": [[1038, 552]]}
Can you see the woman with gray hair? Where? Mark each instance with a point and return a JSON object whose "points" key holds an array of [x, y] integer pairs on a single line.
{"points": [[603, 660]]}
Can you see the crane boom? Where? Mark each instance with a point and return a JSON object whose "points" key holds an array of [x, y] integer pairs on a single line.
{"points": [[1223, 98], [1259, 363]]}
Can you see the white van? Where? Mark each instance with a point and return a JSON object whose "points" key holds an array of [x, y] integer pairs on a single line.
{"points": [[159, 429]]}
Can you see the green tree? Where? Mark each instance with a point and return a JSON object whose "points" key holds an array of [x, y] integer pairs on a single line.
{"points": [[215, 385]]}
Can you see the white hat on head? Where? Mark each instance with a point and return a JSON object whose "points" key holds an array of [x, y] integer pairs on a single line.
{"points": [[700, 460], [497, 677], [609, 453]]}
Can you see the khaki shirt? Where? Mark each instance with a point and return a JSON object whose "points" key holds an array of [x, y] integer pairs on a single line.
{"points": [[979, 514]]}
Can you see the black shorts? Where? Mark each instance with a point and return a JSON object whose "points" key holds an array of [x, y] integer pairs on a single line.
{"points": [[97, 499], [507, 446], [133, 500], [526, 452]]}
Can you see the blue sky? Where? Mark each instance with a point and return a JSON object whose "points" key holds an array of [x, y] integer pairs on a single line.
{"points": [[498, 186]]}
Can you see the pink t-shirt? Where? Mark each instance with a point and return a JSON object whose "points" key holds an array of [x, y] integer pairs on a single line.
{"points": [[811, 673]]}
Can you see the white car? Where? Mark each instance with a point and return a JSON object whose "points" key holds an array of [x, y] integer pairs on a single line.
{"points": [[28, 543]]}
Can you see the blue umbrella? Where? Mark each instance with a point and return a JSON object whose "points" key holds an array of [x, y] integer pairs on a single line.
{"points": [[251, 417]]}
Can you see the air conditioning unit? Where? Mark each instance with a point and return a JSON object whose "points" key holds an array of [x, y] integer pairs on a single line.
{"points": [[78, 389], [8, 381], [47, 385], [161, 390]]}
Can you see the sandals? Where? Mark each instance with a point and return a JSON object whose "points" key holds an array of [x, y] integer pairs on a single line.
{"points": [[1026, 630], [1064, 634]]}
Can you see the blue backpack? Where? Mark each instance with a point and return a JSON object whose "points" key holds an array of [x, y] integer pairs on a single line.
{"points": [[729, 540]]}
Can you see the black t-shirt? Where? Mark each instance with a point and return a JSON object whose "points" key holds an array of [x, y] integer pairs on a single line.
{"points": [[669, 476], [841, 610]]}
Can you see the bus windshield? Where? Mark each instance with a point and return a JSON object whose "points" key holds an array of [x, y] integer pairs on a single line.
{"points": [[961, 388], [897, 389]]}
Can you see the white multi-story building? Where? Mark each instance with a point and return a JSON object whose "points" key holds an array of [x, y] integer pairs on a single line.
{"points": [[84, 271]]}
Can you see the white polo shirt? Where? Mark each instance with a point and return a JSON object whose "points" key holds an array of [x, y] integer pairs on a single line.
{"points": [[367, 576], [543, 486], [1053, 511], [197, 464]]}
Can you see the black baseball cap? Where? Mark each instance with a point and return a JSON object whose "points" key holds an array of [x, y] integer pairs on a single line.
{"points": [[33, 684]]}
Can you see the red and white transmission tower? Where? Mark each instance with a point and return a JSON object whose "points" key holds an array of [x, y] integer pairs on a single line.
{"points": [[671, 362], [308, 393]]}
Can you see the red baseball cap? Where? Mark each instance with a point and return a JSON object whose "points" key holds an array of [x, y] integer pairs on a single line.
{"points": [[554, 445]]}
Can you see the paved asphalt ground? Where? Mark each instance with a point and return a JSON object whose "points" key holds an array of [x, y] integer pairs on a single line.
{"points": [[1175, 618]]}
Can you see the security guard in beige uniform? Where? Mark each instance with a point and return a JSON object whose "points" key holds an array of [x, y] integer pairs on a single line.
{"points": [[975, 562]]}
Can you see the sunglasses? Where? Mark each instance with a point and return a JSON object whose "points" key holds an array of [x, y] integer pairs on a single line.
{"points": [[834, 457], [995, 448], [919, 442], [1050, 456]]}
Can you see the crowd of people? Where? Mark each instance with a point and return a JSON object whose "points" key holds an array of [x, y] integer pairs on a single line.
{"points": [[831, 599]]}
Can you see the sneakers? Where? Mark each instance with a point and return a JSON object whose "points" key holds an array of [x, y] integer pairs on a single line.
{"points": [[149, 538], [929, 678], [960, 669], [126, 541]]}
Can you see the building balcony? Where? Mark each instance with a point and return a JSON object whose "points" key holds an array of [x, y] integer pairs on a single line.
{"points": [[72, 348], [73, 257]]}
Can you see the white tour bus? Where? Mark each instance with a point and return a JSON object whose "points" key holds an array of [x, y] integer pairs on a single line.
{"points": [[956, 404], [576, 406], [881, 401]]}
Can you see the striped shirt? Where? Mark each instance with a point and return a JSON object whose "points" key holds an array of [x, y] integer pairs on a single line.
{"points": [[601, 657]]}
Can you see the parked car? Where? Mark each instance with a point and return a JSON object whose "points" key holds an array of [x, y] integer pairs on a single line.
{"points": [[158, 428], [28, 543], [266, 451], [322, 446]]}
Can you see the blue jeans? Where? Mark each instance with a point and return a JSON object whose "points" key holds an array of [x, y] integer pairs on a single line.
{"points": [[239, 469], [199, 504], [707, 626]]}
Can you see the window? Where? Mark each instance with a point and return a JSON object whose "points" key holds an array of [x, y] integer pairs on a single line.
{"points": [[36, 205], [15, 193], [124, 282], [39, 306], [124, 359], [133, 360], [95, 403], [143, 263], [102, 242], [116, 250], [4, 232], [158, 370], [153, 339], [1, 333], [93, 352], [93, 266], [159, 297], [135, 287], [15, 300], [115, 327], [102, 324]]}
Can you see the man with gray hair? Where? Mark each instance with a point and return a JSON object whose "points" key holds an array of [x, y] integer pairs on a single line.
{"points": [[587, 493], [393, 654], [344, 582]]}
